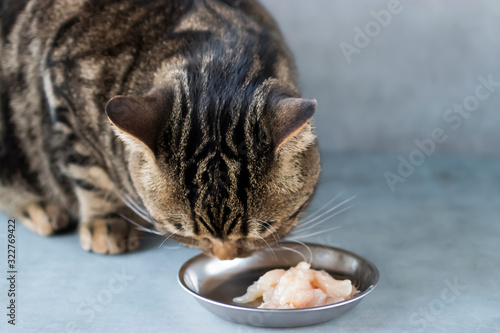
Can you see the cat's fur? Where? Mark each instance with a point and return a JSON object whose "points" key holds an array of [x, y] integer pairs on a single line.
{"points": [[186, 111]]}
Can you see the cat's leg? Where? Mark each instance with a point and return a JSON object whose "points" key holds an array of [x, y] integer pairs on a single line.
{"points": [[108, 234], [98, 208], [33, 211], [21, 196], [44, 218], [102, 228]]}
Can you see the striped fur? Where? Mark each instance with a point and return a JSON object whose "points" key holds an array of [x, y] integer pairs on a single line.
{"points": [[203, 156]]}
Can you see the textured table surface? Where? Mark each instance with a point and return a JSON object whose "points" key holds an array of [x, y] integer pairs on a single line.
{"points": [[435, 241]]}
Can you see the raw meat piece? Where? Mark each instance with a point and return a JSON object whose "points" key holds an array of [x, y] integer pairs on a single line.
{"points": [[298, 287]]}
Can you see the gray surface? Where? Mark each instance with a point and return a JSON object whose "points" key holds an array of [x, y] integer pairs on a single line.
{"points": [[440, 225], [398, 87]]}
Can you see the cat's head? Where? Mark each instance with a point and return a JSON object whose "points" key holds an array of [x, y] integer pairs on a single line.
{"points": [[226, 175]]}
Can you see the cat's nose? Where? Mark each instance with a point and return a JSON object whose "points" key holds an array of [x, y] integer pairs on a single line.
{"points": [[224, 250]]}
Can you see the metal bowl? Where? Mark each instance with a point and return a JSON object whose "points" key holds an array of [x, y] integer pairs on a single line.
{"points": [[214, 283]]}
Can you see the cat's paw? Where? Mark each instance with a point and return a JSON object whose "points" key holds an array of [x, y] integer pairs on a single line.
{"points": [[44, 219], [108, 236]]}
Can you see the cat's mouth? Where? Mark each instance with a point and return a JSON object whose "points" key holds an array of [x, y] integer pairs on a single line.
{"points": [[228, 250]]}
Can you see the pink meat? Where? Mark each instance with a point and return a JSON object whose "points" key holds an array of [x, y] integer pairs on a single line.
{"points": [[298, 287]]}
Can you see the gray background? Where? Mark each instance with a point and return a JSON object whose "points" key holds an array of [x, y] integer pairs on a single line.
{"points": [[397, 88], [438, 226]]}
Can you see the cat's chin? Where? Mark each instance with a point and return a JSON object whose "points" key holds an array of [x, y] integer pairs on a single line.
{"points": [[217, 249], [228, 250]]}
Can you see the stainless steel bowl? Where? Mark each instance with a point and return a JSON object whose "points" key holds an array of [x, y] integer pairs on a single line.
{"points": [[214, 283]]}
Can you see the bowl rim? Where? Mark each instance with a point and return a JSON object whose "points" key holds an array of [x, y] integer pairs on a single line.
{"points": [[358, 297]]}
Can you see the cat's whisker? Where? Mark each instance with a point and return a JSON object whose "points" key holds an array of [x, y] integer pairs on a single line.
{"points": [[122, 197], [140, 227], [325, 219], [163, 242], [296, 251], [312, 234], [308, 249], [307, 219], [136, 204], [273, 229], [268, 227], [139, 211], [268, 246], [272, 233], [171, 234], [135, 210], [328, 211]]}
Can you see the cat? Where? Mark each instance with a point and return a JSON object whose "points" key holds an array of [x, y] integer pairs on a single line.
{"points": [[182, 117]]}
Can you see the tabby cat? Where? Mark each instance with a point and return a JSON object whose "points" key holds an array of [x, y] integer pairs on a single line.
{"points": [[182, 114]]}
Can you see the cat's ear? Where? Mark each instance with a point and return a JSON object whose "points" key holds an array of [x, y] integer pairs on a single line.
{"points": [[291, 115], [138, 117]]}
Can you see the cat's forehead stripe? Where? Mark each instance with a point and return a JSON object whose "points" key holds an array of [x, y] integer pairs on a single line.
{"points": [[216, 175]]}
